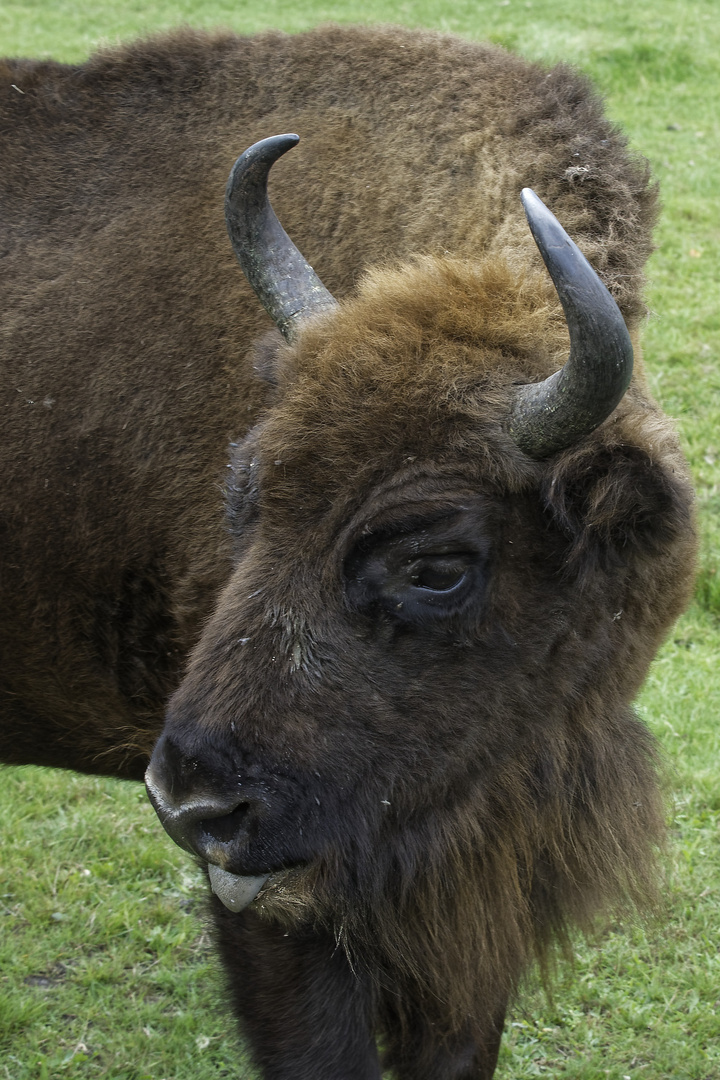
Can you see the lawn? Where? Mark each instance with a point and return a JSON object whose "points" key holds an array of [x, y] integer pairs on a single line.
{"points": [[106, 968]]}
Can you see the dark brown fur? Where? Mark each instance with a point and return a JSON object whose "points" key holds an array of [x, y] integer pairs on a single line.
{"points": [[469, 789]]}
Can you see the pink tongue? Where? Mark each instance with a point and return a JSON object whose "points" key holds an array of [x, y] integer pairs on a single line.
{"points": [[233, 891]]}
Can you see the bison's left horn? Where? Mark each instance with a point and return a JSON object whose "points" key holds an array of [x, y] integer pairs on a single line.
{"points": [[548, 416], [286, 285]]}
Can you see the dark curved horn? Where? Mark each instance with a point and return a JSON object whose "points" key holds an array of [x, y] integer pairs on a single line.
{"points": [[548, 416], [286, 285]]}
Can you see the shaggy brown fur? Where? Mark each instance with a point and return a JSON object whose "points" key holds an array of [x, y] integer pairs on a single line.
{"points": [[439, 796]]}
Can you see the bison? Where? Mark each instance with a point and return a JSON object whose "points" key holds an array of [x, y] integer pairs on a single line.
{"points": [[389, 566]]}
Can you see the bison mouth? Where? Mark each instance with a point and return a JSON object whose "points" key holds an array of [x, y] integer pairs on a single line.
{"points": [[235, 891], [249, 828], [288, 894]]}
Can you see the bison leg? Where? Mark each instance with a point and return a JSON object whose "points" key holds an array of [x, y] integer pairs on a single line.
{"points": [[416, 1052], [304, 1013]]}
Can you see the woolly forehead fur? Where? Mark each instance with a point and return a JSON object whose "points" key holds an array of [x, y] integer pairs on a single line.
{"points": [[415, 372], [416, 368]]}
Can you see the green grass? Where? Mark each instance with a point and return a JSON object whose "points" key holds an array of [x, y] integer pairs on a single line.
{"points": [[106, 967], [105, 962]]}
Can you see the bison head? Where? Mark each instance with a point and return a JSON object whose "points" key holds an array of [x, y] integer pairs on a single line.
{"points": [[410, 708]]}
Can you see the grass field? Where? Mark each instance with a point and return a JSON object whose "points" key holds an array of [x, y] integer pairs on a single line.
{"points": [[105, 964]]}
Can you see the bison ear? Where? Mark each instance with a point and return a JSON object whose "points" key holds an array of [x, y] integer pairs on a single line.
{"points": [[614, 501], [265, 357]]}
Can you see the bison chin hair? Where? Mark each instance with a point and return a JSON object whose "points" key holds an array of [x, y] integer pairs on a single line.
{"points": [[451, 909]]}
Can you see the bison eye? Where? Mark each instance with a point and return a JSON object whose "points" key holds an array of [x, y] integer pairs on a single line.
{"points": [[439, 573], [430, 571]]}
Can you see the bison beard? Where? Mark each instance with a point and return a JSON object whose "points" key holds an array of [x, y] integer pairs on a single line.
{"points": [[400, 667]]}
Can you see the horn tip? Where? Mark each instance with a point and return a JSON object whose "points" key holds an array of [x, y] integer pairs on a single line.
{"points": [[266, 150], [290, 139], [258, 159], [535, 208]]}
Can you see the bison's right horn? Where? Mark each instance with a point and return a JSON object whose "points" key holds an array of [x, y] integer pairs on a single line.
{"points": [[548, 416], [286, 285]]}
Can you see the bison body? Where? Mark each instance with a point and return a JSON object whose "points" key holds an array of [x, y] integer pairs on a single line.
{"points": [[400, 651]]}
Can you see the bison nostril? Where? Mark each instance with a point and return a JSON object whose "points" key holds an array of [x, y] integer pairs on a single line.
{"points": [[224, 829]]}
